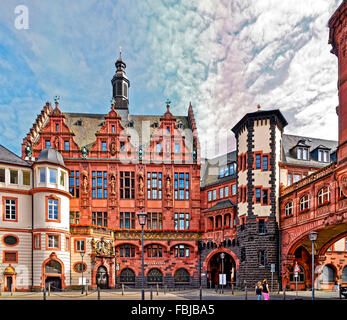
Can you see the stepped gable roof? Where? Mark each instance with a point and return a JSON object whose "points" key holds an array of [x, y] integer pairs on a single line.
{"points": [[7, 156], [92, 123], [290, 141], [210, 169], [51, 155], [225, 204]]}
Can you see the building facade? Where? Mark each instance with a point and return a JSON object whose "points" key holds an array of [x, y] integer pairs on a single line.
{"points": [[70, 202]]}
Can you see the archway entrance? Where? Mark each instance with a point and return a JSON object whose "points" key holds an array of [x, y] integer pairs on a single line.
{"points": [[53, 273], [102, 278], [215, 269], [54, 283]]}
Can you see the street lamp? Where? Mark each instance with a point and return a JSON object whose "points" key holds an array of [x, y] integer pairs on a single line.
{"points": [[222, 255], [82, 255], [313, 237], [142, 221]]}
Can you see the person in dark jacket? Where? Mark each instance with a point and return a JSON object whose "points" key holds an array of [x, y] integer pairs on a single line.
{"points": [[258, 290], [266, 290]]}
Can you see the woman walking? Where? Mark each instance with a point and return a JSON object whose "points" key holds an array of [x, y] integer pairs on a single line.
{"points": [[266, 290], [258, 290]]}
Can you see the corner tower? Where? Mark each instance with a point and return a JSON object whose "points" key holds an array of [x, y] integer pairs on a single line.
{"points": [[338, 40], [259, 143]]}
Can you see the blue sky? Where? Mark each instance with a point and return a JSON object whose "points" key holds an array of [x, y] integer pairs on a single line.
{"points": [[223, 56]]}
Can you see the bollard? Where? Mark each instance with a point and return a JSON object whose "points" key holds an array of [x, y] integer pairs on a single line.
{"points": [[232, 288], [151, 293], [200, 292], [157, 289], [284, 293], [164, 289], [122, 289], [246, 297], [86, 290], [98, 293], [44, 293]]}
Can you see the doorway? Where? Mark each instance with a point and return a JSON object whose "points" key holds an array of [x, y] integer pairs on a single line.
{"points": [[54, 283], [215, 268], [102, 278]]}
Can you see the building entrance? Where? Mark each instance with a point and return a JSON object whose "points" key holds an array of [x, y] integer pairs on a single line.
{"points": [[54, 283], [215, 269], [102, 278]]}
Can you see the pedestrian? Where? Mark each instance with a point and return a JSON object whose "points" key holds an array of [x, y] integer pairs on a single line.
{"points": [[266, 290], [258, 290]]}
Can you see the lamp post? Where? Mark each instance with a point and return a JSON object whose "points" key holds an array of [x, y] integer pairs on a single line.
{"points": [[142, 221], [313, 237], [222, 255], [82, 255]]}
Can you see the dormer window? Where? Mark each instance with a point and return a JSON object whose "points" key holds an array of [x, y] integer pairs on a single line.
{"points": [[155, 125], [323, 155], [78, 122], [227, 170], [302, 153], [130, 124]]}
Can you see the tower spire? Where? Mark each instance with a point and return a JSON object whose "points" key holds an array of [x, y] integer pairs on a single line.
{"points": [[120, 84]]}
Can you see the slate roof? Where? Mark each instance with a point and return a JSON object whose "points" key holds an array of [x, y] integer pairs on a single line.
{"points": [[290, 157], [51, 155], [7, 156], [225, 204], [91, 123], [210, 169]]}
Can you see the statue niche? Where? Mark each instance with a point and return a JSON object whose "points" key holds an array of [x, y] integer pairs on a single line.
{"points": [[141, 184], [85, 184]]}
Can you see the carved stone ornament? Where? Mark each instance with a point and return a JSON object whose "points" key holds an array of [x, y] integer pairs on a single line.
{"points": [[141, 183], [168, 185], [28, 151], [84, 152], [342, 179], [113, 147], [113, 183], [85, 182]]}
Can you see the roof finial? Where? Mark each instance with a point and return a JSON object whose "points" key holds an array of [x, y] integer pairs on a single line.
{"points": [[258, 106], [168, 102], [120, 52], [56, 100]]}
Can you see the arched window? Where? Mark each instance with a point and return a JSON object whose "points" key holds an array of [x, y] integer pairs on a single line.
{"points": [[127, 276], [288, 210], [344, 274], [154, 275], [328, 274], [301, 275], [182, 276], [305, 203], [324, 195]]}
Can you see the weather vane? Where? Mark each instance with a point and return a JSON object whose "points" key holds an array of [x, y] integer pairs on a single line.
{"points": [[120, 51], [113, 100], [56, 99], [168, 102]]}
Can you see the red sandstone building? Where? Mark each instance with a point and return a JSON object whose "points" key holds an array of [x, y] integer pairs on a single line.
{"points": [[256, 204]]}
